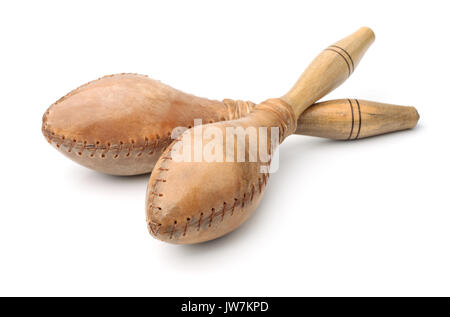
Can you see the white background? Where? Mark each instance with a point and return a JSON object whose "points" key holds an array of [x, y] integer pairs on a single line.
{"points": [[368, 217]]}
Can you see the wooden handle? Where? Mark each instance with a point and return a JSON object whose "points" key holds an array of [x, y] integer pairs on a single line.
{"points": [[350, 119], [329, 69]]}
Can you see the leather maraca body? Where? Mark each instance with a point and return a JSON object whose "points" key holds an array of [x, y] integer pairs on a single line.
{"points": [[190, 202], [120, 124]]}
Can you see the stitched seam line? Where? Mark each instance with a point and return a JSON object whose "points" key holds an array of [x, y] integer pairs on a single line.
{"points": [[262, 182], [202, 216], [153, 192], [149, 146]]}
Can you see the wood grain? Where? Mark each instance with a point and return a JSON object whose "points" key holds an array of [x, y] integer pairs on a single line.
{"points": [[351, 119], [329, 69]]}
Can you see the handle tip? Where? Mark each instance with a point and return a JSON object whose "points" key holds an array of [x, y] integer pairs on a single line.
{"points": [[416, 116], [355, 45], [368, 33]]}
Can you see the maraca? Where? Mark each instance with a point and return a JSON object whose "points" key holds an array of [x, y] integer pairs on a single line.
{"points": [[121, 124], [195, 200]]}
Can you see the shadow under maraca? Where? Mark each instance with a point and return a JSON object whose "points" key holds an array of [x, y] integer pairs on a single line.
{"points": [[126, 187]]}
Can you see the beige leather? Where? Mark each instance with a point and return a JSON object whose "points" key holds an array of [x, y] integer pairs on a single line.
{"points": [[218, 196], [120, 124]]}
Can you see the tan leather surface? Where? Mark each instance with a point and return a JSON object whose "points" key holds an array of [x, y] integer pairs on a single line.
{"points": [[190, 202], [120, 124]]}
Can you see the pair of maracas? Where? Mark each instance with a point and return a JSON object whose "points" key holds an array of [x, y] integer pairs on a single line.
{"points": [[124, 125]]}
